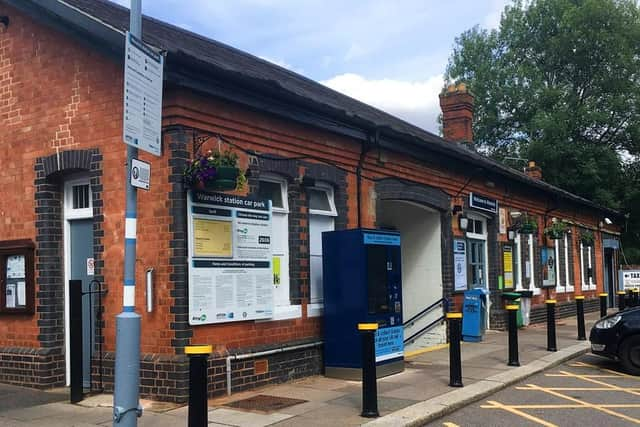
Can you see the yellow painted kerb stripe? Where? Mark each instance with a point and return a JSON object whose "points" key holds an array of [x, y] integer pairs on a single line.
{"points": [[367, 326], [550, 301], [454, 315], [512, 307], [413, 353], [579, 297], [198, 349]]}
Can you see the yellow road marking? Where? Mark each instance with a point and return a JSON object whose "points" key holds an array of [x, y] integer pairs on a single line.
{"points": [[586, 376], [568, 406], [586, 404], [408, 354], [450, 425], [498, 405], [611, 386], [618, 374], [580, 388]]}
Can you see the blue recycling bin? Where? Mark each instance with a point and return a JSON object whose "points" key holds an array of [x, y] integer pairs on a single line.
{"points": [[474, 314]]}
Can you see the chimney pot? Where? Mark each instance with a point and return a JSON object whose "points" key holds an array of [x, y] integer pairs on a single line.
{"points": [[533, 171]]}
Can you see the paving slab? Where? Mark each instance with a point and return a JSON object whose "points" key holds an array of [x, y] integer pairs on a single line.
{"points": [[232, 417]]}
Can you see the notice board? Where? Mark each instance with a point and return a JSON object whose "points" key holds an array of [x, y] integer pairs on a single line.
{"points": [[230, 272]]}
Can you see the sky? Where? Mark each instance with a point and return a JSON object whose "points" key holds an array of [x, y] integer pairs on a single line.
{"points": [[389, 54]]}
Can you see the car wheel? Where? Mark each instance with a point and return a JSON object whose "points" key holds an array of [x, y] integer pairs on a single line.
{"points": [[630, 355]]}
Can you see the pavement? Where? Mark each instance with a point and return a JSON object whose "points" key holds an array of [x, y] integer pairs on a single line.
{"points": [[414, 397]]}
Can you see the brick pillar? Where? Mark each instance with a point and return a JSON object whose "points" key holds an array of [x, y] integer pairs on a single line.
{"points": [[456, 103]]}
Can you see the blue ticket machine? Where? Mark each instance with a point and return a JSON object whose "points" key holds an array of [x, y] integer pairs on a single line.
{"points": [[474, 314], [362, 284]]}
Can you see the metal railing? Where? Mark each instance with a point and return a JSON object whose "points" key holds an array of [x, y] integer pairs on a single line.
{"points": [[442, 302]]}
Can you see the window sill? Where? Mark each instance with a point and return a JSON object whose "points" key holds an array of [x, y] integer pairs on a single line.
{"points": [[285, 312], [315, 310]]}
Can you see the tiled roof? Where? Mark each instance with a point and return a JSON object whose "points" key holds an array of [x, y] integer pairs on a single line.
{"points": [[276, 80]]}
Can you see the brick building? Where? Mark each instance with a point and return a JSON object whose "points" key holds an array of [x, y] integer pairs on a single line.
{"points": [[326, 160]]}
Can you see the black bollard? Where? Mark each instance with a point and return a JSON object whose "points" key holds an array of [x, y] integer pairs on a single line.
{"points": [[628, 298], [621, 300], [455, 360], [551, 325], [198, 361], [512, 320], [603, 304], [635, 291], [580, 317], [369, 386]]}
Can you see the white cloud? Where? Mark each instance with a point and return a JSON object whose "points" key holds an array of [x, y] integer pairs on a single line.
{"points": [[414, 101], [493, 17]]}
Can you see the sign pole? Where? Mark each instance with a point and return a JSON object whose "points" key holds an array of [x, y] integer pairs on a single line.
{"points": [[126, 408]]}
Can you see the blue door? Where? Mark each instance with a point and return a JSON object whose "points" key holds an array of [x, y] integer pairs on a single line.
{"points": [[81, 242]]}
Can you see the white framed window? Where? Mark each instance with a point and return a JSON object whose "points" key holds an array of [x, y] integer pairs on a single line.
{"points": [[478, 252], [586, 268], [322, 213], [567, 277], [590, 272], [78, 203], [517, 262], [556, 246], [532, 267], [274, 188]]}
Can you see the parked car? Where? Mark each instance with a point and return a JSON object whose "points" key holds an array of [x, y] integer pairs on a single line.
{"points": [[617, 336]]}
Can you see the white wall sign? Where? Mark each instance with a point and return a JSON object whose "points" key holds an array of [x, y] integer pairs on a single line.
{"points": [[502, 216], [629, 279], [90, 267], [230, 276], [460, 265], [140, 174], [143, 69]]}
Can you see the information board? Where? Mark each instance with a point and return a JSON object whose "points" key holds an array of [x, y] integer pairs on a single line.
{"points": [[143, 69], [230, 271], [389, 343], [507, 259], [629, 279], [548, 267], [460, 265]]}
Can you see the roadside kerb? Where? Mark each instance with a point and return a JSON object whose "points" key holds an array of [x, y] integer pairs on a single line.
{"points": [[424, 412]]}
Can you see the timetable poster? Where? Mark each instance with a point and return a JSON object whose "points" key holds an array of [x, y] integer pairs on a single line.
{"points": [[230, 272]]}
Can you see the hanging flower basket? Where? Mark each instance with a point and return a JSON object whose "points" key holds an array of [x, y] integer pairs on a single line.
{"points": [[556, 230], [528, 225], [215, 171], [586, 237]]}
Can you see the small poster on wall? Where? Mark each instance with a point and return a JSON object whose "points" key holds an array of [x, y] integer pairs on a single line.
{"points": [[460, 265], [548, 267], [507, 258]]}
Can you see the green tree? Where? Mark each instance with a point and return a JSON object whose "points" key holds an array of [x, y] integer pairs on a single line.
{"points": [[559, 82]]}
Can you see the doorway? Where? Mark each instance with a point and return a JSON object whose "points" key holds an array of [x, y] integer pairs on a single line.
{"points": [[420, 233], [79, 259]]}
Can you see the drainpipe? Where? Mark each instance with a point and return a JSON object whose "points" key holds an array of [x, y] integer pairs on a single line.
{"points": [[366, 146], [263, 353]]}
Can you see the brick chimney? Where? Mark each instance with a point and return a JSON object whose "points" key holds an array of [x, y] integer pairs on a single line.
{"points": [[456, 103], [533, 171]]}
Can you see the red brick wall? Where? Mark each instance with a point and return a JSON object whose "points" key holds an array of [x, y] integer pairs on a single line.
{"points": [[56, 94]]}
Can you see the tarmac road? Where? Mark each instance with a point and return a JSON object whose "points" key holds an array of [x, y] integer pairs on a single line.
{"points": [[586, 391]]}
